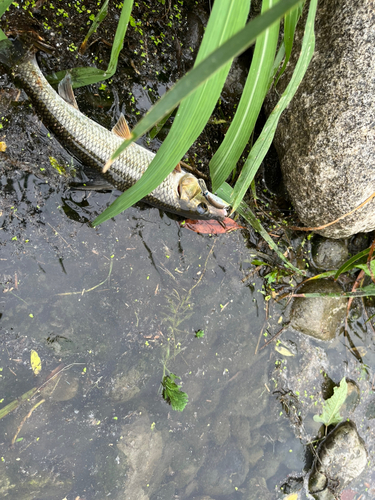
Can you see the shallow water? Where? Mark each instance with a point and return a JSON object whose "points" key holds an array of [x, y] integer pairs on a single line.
{"points": [[104, 302], [111, 310]]}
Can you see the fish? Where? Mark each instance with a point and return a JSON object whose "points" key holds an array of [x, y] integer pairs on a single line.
{"points": [[180, 192]]}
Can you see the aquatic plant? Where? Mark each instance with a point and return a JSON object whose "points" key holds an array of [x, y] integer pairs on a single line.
{"points": [[227, 35], [173, 394], [200, 88], [331, 407]]}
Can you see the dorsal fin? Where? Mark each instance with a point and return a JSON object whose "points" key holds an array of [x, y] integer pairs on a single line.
{"points": [[122, 128], [65, 90]]}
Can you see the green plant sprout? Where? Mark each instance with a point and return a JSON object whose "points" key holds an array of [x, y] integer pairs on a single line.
{"points": [[199, 334], [331, 407]]}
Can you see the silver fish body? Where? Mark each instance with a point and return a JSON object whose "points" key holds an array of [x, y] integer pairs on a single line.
{"points": [[93, 145]]}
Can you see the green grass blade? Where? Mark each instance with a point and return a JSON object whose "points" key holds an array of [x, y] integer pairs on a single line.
{"points": [[199, 74], [290, 23], [230, 150], [350, 263], [88, 76], [183, 88], [227, 17], [366, 291], [101, 15], [225, 192], [159, 126], [276, 64], [4, 5], [264, 141], [326, 274]]}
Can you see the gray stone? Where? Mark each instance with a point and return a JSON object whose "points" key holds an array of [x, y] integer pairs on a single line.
{"points": [[166, 492], [325, 139], [319, 317], [143, 449], [256, 489], [328, 254], [342, 458], [225, 470]]}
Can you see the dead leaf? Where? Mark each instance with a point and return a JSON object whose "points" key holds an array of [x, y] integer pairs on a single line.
{"points": [[211, 226], [348, 495], [35, 362], [3, 146]]}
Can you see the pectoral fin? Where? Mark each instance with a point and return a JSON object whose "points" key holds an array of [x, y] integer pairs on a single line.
{"points": [[65, 90], [122, 128]]}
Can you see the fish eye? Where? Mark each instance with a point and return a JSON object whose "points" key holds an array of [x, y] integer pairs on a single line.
{"points": [[202, 208]]}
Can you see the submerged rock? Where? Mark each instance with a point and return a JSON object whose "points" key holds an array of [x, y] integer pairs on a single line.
{"points": [[224, 471], [143, 447], [319, 317], [328, 254], [342, 458], [325, 138]]}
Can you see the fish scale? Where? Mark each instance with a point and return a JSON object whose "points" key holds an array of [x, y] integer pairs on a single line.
{"points": [[93, 144]]}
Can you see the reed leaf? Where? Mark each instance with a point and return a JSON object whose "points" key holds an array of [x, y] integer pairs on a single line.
{"points": [[225, 192], [99, 18], [350, 263], [183, 88], [4, 5], [290, 23], [264, 141], [88, 76], [255, 90]]}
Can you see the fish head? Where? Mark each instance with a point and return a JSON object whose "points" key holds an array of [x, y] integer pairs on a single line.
{"points": [[194, 203]]}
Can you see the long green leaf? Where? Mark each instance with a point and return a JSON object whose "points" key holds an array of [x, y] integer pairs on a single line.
{"points": [[225, 192], [183, 88], [290, 23], [349, 264], [230, 150], [264, 141], [88, 76], [99, 18], [366, 291], [4, 5]]}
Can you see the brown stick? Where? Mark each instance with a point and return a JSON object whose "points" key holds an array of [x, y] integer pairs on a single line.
{"points": [[25, 418], [333, 222]]}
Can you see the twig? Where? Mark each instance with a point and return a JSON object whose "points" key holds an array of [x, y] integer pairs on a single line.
{"points": [[355, 286], [90, 289], [194, 171], [273, 338], [336, 220], [261, 331], [67, 367], [204, 268], [60, 236], [24, 420], [251, 273], [12, 293]]}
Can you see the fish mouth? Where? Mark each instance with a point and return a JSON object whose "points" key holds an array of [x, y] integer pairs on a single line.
{"points": [[196, 202]]}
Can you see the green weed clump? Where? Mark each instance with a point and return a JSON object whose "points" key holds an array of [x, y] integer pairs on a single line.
{"points": [[173, 394]]}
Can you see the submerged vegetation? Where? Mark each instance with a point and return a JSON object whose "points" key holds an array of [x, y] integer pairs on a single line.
{"points": [[173, 394]]}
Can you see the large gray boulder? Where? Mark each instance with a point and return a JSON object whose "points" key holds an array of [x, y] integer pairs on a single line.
{"points": [[326, 137]]}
